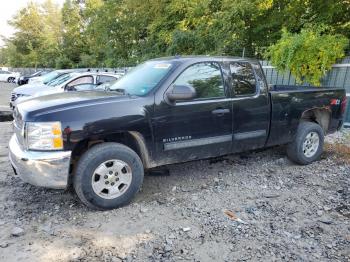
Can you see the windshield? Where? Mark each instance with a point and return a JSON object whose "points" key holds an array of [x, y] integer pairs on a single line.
{"points": [[61, 79], [50, 76], [143, 78]]}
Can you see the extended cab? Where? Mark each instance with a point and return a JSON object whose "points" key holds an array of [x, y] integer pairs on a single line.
{"points": [[165, 111]]}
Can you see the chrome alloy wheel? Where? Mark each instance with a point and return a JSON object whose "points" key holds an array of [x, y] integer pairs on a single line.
{"points": [[111, 179], [311, 144]]}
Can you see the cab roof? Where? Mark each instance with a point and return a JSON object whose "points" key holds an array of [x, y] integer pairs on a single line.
{"points": [[200, 58]]}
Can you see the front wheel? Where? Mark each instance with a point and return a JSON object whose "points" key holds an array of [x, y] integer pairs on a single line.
{"points": [[108, 176], [11, 80], [307, 145]]}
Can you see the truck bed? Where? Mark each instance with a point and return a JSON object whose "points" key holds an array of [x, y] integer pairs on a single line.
{"points": [[288, 103]]}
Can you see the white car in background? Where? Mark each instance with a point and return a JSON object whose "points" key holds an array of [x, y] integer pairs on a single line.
{"points": [[46, 78], [67, 82], [7, 76]]}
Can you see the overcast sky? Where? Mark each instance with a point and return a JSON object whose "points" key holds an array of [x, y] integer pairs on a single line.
{"points": [[8, 9]]}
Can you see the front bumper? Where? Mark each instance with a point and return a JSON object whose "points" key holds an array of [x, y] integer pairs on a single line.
{"points": [[45, 169]]}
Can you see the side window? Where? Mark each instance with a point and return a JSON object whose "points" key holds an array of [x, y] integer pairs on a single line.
{"points": [[205, 78], [260, 76], [81, 80], [243, 78], [103, 79]]}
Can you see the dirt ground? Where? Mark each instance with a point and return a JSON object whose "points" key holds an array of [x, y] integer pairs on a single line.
{"points": [[282, 211]]}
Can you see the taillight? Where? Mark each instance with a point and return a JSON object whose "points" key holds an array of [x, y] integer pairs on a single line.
{"points": [[343, 105], [334, 102]]}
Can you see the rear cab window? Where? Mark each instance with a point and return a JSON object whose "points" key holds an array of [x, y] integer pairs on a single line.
{"points": [[243, 79], [260, 77]]}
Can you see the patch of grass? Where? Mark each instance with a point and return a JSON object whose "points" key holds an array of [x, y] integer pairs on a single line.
{"points": [[340, 150]]}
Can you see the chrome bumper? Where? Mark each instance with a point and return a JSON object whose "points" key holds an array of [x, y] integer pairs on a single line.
{"points": [[45, 169]]}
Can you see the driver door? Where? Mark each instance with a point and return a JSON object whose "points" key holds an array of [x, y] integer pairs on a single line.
{"points": [[199, 128]]}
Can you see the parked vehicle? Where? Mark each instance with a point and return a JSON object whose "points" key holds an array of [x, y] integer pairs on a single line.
{"points": [[49, 77], [24, 79], [73, 81], [165, 111], [7, 76], [44, 79]]}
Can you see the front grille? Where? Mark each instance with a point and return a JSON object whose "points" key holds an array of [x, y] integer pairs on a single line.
{"points": [[13, 96]]}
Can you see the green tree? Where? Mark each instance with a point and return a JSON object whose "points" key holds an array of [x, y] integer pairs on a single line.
{"points": [[73, 40], [51, 34], [308, 54], [37, 38], [124, 32], [28, 38]]}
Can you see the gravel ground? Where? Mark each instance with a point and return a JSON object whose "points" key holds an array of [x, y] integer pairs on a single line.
{"points": [[278, 211]]}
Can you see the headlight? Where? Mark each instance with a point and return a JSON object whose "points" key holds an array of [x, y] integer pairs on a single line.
{"points": [[44, 136]]}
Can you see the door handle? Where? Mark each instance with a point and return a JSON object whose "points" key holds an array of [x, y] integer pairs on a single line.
{"points": [[220, 111]]}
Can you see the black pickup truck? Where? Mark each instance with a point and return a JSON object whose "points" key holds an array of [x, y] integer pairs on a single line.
{"points": [[165, 111]]}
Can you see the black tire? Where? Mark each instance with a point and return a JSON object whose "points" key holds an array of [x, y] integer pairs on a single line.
{"points": [[295, 150], [10, 79], [90, 160]]}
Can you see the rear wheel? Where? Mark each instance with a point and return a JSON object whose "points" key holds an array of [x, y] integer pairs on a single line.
{"points": [[108, 176], [10, 79], [307, 145]]}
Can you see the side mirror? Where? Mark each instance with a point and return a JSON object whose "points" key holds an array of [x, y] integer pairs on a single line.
{"points": [[181, 92]]}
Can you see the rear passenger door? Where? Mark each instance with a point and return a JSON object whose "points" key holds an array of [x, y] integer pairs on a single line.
{"points": [[251, 110], [198, 128]]}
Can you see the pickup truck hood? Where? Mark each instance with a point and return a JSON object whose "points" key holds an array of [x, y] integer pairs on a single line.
{"points": [[34, 91], [65, 100]]}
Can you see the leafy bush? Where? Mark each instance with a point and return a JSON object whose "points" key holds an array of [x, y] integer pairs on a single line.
{"points": [[308, 54]]}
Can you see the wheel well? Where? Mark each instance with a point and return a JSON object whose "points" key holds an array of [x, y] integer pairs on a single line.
{"points": [[134, 140], [321, 116]]}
